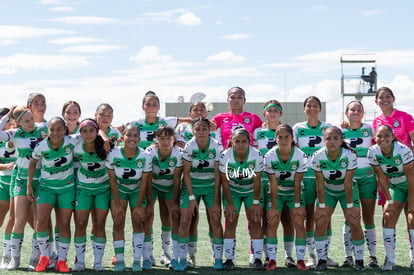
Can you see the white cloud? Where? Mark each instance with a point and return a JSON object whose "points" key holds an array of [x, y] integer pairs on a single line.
{"points": [[150, 54], [319, 9], [236, 36], [84, 20], [12, 32], [21, 61], [7, 42], [48, 2], [162, 16], [62, 9], [74, 40], [372, 12], [226, 57], [395, 58], [91, 49], [189, 19]]}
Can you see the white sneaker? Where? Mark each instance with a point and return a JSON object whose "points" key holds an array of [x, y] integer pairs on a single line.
{"points": [[251, 260], [388, 266], [5, 262], [191, 261], [311, 260], [14, 263], [79, 266], [331, 263], [33, 263], [98, 267], [165, 259]]}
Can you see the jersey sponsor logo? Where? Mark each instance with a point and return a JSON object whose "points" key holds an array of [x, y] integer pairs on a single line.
{"points": [[92, 166], [314, 140], [239, 173], [391, 169], [284, 175], [202, 164], [271, 142], [335, 174], [150, 136], [128, 173], [353, 142], [60, 161], [164, 172]]}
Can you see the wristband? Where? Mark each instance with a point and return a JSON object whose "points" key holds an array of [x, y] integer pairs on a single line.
{"points": [[349, 205], [256, 201], [191, 197], [297, 204], [390, 201], [322, 205]]}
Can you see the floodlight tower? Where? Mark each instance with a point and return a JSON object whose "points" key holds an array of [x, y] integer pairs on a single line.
{"points": [[354, 84]]}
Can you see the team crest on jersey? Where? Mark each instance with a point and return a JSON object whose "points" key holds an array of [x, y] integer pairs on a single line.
{"points": [[171, 163], [247, 120], [365, 133], [210, 154], [43, 133], [343, 163], [396, 124], [294, 166], [397, 161], [67, 150], [140, 164], [250, 165]]}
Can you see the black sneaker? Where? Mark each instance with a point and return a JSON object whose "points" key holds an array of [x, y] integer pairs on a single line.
{"points": [[359, 265], [289, 262], [349, 262], [372, 262], [258, 265], [322, 266], [228, 265]]}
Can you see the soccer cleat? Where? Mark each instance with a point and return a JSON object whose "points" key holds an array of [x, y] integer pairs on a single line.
{"points": [[372, 262], [228, 265], [165, 259], [331, 263], [258, 265], [98, 267], [311, 260], [301, 265], [146, 265], [119, 266], [265, 263], [349, 262], [289, 262], [218, 264], [33, 263], [181, 266], [53, 260], [43, 264], [271, 265], [388, 266], [191, 261], [322, 266], [14, 263], [173, 264], [78, 267], [61, 266], [5, 262], [359, 265], [136, 266]]}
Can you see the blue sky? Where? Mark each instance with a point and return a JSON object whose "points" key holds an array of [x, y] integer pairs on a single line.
{"points": [[95, 51]]}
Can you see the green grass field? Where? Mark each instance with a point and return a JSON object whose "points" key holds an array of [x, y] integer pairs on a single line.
{"points": [[204, 254]]}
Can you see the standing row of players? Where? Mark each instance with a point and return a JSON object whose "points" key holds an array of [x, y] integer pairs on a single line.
{"points": [[130, 174]]}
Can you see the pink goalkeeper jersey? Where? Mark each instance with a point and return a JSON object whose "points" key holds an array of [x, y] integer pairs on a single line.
{"points": [[401, 122], [228, 121]]}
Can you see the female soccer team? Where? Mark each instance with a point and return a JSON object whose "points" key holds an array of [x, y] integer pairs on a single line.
{"points": [[279, 172]]}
